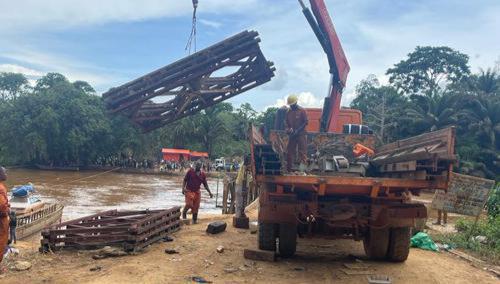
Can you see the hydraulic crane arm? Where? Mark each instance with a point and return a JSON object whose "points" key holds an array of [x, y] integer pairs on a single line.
{"points": [[322, 25]]}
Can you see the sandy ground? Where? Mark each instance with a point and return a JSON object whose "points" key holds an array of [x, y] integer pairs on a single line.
{"points": [[317, 261]]}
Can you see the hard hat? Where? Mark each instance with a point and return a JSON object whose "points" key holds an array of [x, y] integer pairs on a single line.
{"points": [[292, 99]]}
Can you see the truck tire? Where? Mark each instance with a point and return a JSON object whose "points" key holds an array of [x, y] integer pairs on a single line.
{"points": [[267, 236], [376, 243], [287, 240], [399, 244]]}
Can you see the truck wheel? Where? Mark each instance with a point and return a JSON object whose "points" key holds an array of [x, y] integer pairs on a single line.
{"points": [[376, 243], [267, 236], [287, 240], [399, 244]]}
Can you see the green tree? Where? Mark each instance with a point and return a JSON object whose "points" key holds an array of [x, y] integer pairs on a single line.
{"points": [[382, 108], [12, 85], [428, 69]]}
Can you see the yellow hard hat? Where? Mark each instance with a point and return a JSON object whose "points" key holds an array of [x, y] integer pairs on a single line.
{"points": [[292, 99]]}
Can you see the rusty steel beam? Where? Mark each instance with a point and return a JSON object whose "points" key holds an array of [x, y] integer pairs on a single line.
{"points": [[191, 84]]}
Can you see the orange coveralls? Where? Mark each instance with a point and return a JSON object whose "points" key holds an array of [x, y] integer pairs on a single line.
{"points": [[4, 219], [193, 195]]}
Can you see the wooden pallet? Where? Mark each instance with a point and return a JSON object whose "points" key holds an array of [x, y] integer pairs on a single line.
{"points": [[132, 230]]}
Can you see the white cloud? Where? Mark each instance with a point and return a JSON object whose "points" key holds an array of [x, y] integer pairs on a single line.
{"points": [[209, 23], [306, 99], [14, 68], [42, 63], [62, 14]]}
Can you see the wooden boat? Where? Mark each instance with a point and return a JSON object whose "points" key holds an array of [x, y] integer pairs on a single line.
{"points": [[33, 214]]}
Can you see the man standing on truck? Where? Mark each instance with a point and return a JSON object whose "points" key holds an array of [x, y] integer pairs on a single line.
{"points": [[295, 123], [191, 190]]}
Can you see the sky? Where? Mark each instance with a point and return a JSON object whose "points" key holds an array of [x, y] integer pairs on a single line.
{"points": [[110, 42]]}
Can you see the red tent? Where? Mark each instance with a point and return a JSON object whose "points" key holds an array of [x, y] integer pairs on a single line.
{"points": [[175, 154]]}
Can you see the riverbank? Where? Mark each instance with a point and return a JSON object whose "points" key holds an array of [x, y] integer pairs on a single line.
{"points": [[141, 171]]}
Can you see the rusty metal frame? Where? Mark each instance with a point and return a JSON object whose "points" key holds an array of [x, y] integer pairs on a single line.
{"points": [[190, 85], [132, 230], [331, 185]]}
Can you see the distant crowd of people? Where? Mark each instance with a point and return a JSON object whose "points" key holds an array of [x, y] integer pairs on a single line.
{"points": [[115, 161], [181, 166]]}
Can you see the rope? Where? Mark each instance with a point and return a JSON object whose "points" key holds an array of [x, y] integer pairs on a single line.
{"points": [[192, 36], [91, 176]]}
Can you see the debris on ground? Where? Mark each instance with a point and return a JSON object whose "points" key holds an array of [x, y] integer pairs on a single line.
{"points": [[357, 271], [356, 266], [254, 227], [199, 279], [481, 239], [168, 239], [216, 227], [299, 268], [171, 251], [423, 241], [231, 269], [208, 263], [262, 255], [446, 247], [379, 279], [21, 265], [220, 249], [10, 251], [108, 251], [96, 268]]}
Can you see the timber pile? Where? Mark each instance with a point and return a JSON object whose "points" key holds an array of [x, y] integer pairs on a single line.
{"points": [[191, 84], [131, 230]]}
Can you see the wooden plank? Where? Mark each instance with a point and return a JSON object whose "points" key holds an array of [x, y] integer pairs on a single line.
{"points": [[260, 255]]}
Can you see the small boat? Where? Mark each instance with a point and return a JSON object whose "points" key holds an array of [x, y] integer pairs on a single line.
{"points": [[32, 213]]}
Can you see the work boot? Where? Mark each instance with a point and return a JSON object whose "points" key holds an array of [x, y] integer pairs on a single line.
{"points": [[195, 218], [184, 213]]}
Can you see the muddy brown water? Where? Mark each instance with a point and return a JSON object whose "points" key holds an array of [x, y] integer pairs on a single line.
{"points": [[106, 191]]}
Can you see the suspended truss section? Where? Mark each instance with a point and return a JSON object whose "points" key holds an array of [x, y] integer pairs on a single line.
{"points": [[192, 84]]}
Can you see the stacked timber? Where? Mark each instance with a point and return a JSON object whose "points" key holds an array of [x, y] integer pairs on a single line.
{"points": [[191, 84], [131, 230]]}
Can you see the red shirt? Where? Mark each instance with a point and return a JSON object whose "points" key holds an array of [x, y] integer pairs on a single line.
{"points": [[193, 180]]}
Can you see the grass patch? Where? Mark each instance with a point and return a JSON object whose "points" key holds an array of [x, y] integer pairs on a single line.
{"points": [[490, 228]]}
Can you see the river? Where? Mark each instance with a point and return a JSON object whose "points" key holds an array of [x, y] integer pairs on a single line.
{"points": [[106, 191]]}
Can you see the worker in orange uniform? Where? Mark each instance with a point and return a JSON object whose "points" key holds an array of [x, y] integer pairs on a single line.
{"points": [[191, 189], [295, 123], [4, 213]]}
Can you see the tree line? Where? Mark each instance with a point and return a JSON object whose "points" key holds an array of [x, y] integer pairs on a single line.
{"points": [[65, 123]]}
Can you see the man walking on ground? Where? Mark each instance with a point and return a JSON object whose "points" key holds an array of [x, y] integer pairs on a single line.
{"points": [[295, 123], [4, 213], [191, 190]]}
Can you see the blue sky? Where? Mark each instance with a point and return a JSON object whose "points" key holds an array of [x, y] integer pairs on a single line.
{"points": [[109, 42]]}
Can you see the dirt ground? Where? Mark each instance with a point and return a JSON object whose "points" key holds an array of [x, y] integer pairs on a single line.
{"points": [[317, 261]]}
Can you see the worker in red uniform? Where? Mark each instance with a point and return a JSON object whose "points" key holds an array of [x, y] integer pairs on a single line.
{"points": [[295, 123], [191, 189], [4, 213]]}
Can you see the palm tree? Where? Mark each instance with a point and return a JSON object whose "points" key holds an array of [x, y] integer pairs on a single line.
{"points": [[483, 116], [432, 112], [486, 82]]}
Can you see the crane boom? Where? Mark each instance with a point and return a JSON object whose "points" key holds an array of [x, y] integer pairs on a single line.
{"points": [[323, 28]]}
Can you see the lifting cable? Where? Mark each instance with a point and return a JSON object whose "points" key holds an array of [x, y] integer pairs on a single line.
{"points": [[192, 36]]}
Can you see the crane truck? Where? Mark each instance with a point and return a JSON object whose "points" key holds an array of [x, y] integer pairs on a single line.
{"points": [[344, 194]]}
